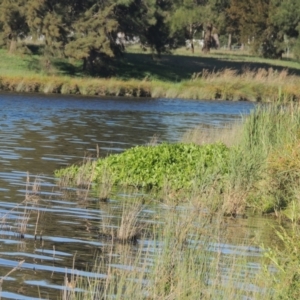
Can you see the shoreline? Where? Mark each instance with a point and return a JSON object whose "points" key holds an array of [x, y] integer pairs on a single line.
{"points": [[225, 85]]}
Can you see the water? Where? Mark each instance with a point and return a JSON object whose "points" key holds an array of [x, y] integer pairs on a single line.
{"points": [[42, 133]]}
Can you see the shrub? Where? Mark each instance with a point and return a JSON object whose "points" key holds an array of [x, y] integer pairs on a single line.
{"points": [[181, 165]]}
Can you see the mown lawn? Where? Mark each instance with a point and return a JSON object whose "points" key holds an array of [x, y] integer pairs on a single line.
{"points": [[136, 64]]}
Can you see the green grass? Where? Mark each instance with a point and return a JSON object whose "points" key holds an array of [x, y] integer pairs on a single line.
{"points": [[182, 65], [17, 64], [219, 75]]}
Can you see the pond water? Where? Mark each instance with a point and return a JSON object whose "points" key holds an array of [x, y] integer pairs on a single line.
{"points": [[60, 227]]}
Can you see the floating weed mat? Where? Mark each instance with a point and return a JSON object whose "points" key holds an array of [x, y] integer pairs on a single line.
{"points": [[183, 166]]}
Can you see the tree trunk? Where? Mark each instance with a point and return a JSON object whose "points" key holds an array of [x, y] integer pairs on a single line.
{"points": [[192, 45], [229, 45], [207, 39], [88, 65], [84, 64], [12, 45], [216, 41], [192, 38]]}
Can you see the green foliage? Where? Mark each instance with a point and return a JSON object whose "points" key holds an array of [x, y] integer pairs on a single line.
{"points": [[286, 259], [296, 48], [253, 21], [13, 22], [93, 37], [149, 20], [87, 30], [181, 166], [50, 19], [268, 156], [287, 17]]}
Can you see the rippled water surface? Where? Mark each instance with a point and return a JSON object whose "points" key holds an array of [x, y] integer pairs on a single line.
{"points": [[42, 133]]}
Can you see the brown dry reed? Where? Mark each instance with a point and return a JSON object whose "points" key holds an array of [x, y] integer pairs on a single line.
{"points": [[10, 272], [26, 208], [129, 228], [260, 85], [184, 261], [228, 134]]}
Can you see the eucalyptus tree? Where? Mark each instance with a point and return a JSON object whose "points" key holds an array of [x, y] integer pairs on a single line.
{"points": [[207, 16], [286, 17], [93, 37], [187, 17], [13, 22], [51, 20], [149, 20], [215, 22], [253, 20]]}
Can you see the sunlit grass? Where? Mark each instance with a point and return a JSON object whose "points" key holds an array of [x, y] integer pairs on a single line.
{"points": [[217, 76]]}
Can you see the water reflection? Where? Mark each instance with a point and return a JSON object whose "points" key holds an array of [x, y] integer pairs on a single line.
{"points": [[45, 129]]}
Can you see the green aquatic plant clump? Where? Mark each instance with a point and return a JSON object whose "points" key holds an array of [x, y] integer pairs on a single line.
{"points": [[181, 166]]}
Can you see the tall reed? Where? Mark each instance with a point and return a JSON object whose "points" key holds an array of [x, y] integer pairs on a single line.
{"points": [[263, 157], [184, 261], [261, 85], [285, 257], [267, 134]]}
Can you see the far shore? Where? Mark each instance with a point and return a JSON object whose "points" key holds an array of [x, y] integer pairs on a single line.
{"points": [[231, 77], [255, 87]]}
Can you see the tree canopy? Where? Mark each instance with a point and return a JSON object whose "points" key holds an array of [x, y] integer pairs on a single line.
{"points": [[88, 30]]}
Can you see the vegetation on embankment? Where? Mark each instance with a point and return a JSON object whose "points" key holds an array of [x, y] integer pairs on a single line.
{"points": [[224, 77], [259, 170]]}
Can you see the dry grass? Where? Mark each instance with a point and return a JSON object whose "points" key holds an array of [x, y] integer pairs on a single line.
{"points": [[130, 228], [10, 272], [105, 185], [26, 208], [234, 202], [260, 85], [229, 134]]}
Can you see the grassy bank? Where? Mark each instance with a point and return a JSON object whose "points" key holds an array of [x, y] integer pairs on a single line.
{"points": [[218, 76], [188, 258], [262, 173], [259, 168]]}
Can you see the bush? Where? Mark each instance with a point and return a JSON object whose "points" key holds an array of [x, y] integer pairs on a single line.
{"points": [[182, 166]]}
